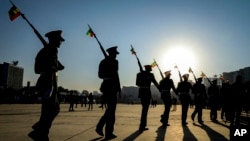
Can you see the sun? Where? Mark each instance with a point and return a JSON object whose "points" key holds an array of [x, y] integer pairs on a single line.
{"points": [[179, 55]]}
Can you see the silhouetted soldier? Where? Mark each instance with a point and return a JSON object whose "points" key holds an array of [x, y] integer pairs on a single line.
{"points": [[71, 101], [166, 85], [200, 96], [91, 101], [238, 95], [108, 71], [47, 65], [143, 80], [183, 89], [213, 92], [225, 94]]}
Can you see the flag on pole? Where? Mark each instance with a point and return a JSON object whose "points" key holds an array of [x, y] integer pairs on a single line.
{"points": [[154, 64], [132, 51], [14, 12], [190, 70], [90, 33], [203, 74]]}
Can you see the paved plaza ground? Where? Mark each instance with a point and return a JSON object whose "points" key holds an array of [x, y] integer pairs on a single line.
{"points": [[16, 121]]}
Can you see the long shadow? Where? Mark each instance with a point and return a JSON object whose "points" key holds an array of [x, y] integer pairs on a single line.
{"points": [[133, 136], [227, 126], [161, 132], [212, 134], [188, 135]]}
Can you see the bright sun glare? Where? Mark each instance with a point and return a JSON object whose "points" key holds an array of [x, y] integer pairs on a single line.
{"points": [[181, 56]]}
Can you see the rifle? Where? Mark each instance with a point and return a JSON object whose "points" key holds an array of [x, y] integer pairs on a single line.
{"points": [[190, 70], [101, 47], [159, 69], [139, 63], [36, 32], [204, 75], [179, 73]]}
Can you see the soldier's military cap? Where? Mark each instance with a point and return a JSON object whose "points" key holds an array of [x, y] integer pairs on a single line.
{"points": [[185, 75], [55, 35], [147, 67], [112, 50], [167, 72]]}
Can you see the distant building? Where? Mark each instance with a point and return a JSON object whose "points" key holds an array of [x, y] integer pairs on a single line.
{"points": [[231, 76], [11, 76]]}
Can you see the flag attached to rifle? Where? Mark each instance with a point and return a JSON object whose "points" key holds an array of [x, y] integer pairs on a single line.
{"points": [[190, 70], [14, 12], [176, 67], [203, 74], [154, 64], [132, 51], [90, 33]]}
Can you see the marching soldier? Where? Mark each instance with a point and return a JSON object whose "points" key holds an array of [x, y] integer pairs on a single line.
{"points": [[213, 92], [199, 92], [110, 87], [47, 65], [183, 89], [143, 80], [166, 85]]}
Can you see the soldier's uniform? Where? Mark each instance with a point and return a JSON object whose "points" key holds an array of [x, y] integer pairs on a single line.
{"points": [[108, 71], [47, 65], [183, 89], [213, 92], [143, 80], [200, 96], [165, 86]]}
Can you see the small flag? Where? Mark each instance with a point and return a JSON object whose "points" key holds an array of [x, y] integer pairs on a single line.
{"points": [[154, 64], [14, 12], [203, 74], [176, 67], [132, 51], [190, 70], [90, 33]]}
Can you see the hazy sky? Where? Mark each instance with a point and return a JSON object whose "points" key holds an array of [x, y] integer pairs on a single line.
{"points": [[208, 35]]}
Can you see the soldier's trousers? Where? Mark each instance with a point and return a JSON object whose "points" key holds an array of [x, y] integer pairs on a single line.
{"points": [[167, 104], [109, 116], [198, 109], [50, 109], [185, 100], [145, 105]]}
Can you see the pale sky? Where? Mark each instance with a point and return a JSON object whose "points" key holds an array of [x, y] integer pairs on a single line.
{"points": [[212, 36]]}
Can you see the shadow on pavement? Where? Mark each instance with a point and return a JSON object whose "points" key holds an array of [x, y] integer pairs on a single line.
{"points": [[161, 131], [133, 136], [188, 135]]}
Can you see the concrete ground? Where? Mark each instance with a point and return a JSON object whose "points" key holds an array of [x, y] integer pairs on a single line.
{"points": [[16, 121]]}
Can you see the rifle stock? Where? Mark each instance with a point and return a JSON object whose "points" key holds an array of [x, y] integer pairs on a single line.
{"points": [[139, 63]]}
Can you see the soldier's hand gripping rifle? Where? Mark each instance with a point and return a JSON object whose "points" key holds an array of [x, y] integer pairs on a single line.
{"points": [[36, 32], [101, 47], [134, 53]]}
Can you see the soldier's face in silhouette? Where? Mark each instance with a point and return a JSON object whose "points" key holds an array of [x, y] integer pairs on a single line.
{"points": [[112, 55], [55, 42]]}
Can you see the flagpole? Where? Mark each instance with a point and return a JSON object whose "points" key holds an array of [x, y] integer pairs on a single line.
{"points": [[159, 69], [101, 47], [207, 78], [139, 63], [36, 32]]}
